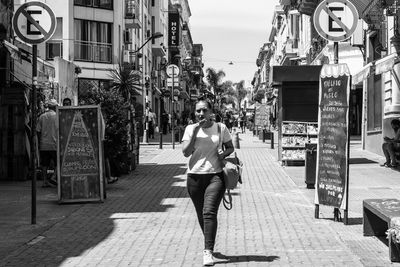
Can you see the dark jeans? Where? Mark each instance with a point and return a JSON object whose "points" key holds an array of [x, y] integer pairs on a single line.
{"points": [[206, 192]]}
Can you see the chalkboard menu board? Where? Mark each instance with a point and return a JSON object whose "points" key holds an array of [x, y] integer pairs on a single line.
{"points": [[262, 115], [332, 163], [79, 153]]}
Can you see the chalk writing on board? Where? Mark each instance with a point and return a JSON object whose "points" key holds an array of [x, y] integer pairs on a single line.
{"points": [[332, 148], [79, 155]]}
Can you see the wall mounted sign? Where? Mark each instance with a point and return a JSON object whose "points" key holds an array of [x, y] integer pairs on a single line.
{"points": [[174, 29]]}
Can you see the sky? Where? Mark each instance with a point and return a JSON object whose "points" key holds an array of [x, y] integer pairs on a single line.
{"points": [[231, 30]]}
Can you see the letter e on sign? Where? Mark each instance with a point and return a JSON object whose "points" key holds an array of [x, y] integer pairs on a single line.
{"points": [[34, 22], [335, 20]]}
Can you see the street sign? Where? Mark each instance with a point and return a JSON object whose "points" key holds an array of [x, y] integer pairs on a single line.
{"points": [[335, 20], [172, 69], [176, 82], [34, 22]]}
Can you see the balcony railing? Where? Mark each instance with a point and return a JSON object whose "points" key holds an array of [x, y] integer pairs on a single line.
{"points": [[131, 9], [92, 51], [132, 20]]}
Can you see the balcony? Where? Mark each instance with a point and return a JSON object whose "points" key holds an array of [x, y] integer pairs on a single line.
{"points": [[158, 50], [93, 52], [132, 18]]}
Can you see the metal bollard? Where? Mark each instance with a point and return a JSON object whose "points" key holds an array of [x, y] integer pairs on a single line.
{"points": [[263, 135], [161, 134], [235, 140], [272, 140], [138, 149]]}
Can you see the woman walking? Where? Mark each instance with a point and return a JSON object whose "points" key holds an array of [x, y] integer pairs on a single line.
{"points": [[205, 181]]}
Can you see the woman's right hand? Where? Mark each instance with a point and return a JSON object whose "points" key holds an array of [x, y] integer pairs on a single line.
{"points": [[200, 123]]}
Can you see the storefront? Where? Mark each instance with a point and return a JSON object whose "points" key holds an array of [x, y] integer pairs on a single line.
{"points": [[298, 89]]}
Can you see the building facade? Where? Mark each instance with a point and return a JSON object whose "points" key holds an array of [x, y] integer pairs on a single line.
{"points": [[370, 54]]}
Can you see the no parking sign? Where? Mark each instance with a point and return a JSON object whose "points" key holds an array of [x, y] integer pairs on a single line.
{"points": [[335, 20], [34, 22]]}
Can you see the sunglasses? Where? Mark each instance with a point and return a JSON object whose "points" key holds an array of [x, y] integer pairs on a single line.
{"points": [[202, 109]]}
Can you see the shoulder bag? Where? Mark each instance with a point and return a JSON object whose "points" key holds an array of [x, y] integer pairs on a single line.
{"points": [[232, 169]]}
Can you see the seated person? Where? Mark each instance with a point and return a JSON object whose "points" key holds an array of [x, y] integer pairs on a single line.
{"points": [[390, 145]]}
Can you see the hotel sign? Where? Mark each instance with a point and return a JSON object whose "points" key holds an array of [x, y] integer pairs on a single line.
{"points": [[174, 29]]}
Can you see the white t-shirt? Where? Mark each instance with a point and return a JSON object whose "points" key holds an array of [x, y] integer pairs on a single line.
{"points": [[205, 156]]}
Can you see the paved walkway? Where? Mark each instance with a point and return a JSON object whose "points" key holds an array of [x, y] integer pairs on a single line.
{"points": [[148, 219]]}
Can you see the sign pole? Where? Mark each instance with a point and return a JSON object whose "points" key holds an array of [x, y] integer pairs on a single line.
{"points": [[336, 211], [172, 104], [346, 213], [44, 20], [33, 133], [335, 52]]}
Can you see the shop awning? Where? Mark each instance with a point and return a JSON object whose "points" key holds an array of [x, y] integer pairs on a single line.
{"points": [[385, 64], [303, 73], [156, 89], [362, 74], [184, 95]]}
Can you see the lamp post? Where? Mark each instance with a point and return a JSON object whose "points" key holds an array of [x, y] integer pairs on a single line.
{"points": [[145, 109]]}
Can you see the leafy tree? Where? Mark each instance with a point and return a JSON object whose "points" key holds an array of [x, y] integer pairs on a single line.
{"points": [[259, 96], [114, 111]]}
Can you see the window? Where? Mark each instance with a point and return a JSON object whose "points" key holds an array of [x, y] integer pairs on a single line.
{"points": [[87, 85], [53, 49], [92, 41], [374, 98], [153, 27], [54, 45], [106, 4]]}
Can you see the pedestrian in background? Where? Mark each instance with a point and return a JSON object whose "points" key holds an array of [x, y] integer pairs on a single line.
{"points": [[164, 122], [390, 145], [152, 123], [47, 135], [205, 183]]}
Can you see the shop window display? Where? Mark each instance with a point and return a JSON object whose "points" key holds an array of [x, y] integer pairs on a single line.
{"points": [[295, 136]]}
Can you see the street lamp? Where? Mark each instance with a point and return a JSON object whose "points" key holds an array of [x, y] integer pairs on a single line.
{"points": [[145, 110]]}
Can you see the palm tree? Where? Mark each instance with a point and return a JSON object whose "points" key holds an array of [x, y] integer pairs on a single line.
{"points": [[126, 81], [229, 95], [241, 91], [214, 79]]}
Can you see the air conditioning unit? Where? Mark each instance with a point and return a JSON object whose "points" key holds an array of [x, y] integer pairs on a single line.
{"points": [[127, 37]]}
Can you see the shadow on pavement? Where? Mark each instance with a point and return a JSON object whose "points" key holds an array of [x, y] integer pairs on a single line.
{"points": [[87, 226], [242, 258], [355, 221], [361, 161]]}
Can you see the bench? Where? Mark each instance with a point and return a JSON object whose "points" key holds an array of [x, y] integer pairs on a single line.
{"points": [[378, 216]]}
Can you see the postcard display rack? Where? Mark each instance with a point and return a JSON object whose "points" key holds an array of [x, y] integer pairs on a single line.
{"points": [[295, 136]]}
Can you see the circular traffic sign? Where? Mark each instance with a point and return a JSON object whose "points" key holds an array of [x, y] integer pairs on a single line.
{"points": [[172, 70], [34, 22], [335, 20]]}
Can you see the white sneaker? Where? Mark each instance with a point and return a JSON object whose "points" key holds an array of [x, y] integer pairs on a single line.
{"points": [[208, 259]]}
